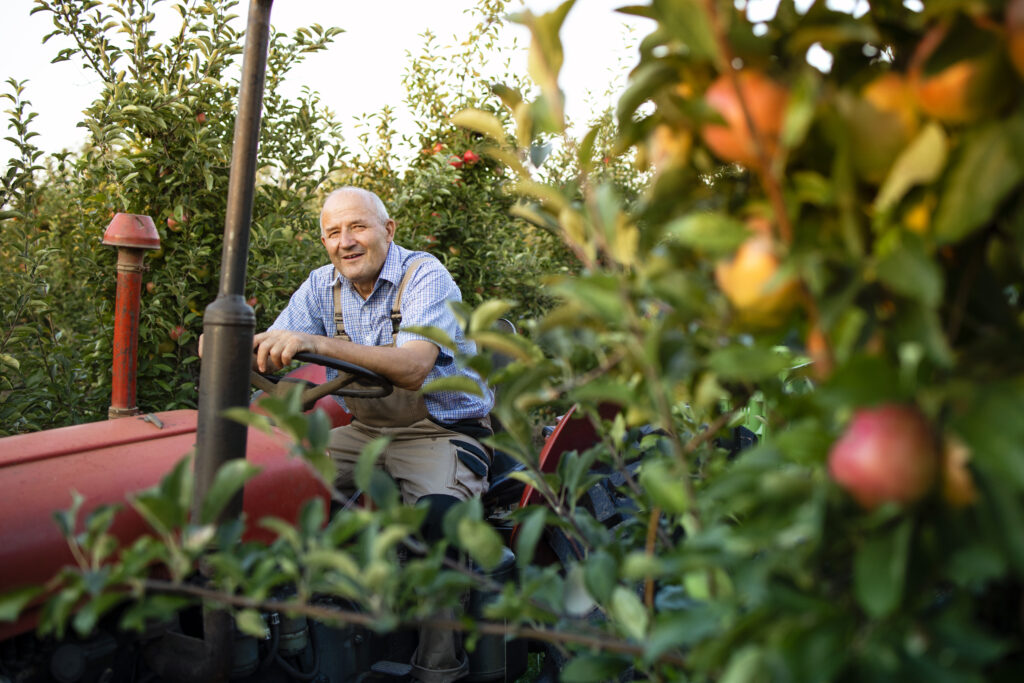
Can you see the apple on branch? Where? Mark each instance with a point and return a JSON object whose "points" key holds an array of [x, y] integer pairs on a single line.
{"points": [[887, 454]]}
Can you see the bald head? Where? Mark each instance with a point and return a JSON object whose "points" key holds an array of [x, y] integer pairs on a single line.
{"points": [[348, 192]]}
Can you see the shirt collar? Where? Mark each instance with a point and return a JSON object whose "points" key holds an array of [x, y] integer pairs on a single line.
{"points": [[392, 270]]}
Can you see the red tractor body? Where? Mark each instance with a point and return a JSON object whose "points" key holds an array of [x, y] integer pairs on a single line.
{"points": [[105, 462]]}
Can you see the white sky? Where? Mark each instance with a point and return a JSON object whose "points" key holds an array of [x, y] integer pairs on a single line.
{"points": [[361, 71]]}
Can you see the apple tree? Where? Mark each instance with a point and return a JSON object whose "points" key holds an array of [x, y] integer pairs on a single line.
{"points": [[159, 143]]}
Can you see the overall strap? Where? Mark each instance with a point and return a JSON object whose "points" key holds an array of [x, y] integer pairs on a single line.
{"points": [[396, 313], [339, 318]]}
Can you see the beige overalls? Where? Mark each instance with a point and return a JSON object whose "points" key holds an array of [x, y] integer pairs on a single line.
{"points": [[423, 456]]}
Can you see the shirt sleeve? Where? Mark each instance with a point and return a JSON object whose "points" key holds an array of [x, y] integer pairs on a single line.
{"points": [[425, 304], [302, 314]]}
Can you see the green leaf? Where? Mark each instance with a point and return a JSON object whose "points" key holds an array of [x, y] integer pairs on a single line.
{"points": [[481, 541], [251, 419], [13, 602], [88, 616], [991, 428], [714, 233], [683, 628], [880, 570], [862, 380], [605, 390], [544, 61], [454, 383], [803, 101], [576, 600], [142, 613], [920, 327], [318, 432], [162, 513], [368, 461], [486, 314], [481, 122], [515, 346], [600, 574], [745, 665], [336, 560], [975, 565], [629, 614], [588, 668], [833, 31], [687, 21], [251, 623], [748, 364], [988, 169], [382, 490], [920, 163], [909, 271], [509, 96], [283, 530], [530, 530], [644, 82], [663, 484], [67, 519], [229, 480], [598, 295], [165, 506]]}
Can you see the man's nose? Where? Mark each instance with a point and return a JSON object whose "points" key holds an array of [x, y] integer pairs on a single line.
{"points": [[345, 239]]}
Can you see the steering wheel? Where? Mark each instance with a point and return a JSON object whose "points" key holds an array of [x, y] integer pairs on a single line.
{"points": [[352, 380]]}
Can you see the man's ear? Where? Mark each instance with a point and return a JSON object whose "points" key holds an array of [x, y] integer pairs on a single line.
{"points": [[390, 226]]}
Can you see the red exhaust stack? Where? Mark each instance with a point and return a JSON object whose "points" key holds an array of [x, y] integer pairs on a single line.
{"points": [[132, 234]]}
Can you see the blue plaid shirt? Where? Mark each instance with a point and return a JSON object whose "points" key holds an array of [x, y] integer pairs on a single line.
{"points": [[424, 303]]}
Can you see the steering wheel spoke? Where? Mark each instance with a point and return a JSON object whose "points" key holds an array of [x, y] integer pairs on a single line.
{"points": [[352, 381]]}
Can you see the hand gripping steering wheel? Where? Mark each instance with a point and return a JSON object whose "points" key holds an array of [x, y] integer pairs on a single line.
{"points": [[352, 380]]}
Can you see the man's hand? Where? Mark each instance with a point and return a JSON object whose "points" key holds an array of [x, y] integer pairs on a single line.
{"points": [[276, 348]]}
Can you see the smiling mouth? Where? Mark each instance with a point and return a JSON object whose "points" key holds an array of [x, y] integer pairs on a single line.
{"points": [[349, 257]]}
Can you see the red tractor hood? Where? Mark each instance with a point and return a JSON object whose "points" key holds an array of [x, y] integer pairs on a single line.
{"points": [[105, 462]]}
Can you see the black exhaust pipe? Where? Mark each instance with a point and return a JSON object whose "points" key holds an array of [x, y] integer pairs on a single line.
{"points": [[228, 328]]}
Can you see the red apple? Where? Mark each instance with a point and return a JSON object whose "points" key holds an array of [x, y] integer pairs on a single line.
{"points": [[173, 224], [455, 161], [177, 332], [150, 287], [201, 117], [470, 157], [252, 301], [437, 147], [887, 454]]}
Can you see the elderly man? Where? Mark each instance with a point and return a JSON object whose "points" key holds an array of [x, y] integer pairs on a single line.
{"points": [[353, 310]]}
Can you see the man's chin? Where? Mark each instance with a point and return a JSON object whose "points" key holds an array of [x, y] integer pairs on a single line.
{"points": [[351, 273]]}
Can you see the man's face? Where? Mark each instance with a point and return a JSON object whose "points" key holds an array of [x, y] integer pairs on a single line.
{"points": [[355, 238]]}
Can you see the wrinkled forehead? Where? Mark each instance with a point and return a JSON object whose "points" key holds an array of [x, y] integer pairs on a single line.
{"points": [[349, 206]]}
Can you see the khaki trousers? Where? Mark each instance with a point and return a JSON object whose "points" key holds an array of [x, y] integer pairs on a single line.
{"points": [[423, 458]]}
